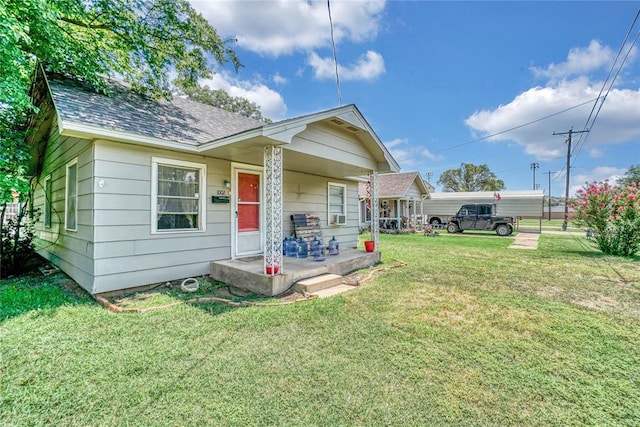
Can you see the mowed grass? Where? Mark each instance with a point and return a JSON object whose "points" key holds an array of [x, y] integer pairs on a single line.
{"points": [[548, 225], [469, 332]]}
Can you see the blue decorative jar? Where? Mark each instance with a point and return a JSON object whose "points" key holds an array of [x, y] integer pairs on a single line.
{"points": [[303, 248], [292, 248], [334, 246], [317, 250]]}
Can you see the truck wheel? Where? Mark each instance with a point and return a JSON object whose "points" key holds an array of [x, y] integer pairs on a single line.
{"points": [[435, 221], [503, 230], [452, 228]]}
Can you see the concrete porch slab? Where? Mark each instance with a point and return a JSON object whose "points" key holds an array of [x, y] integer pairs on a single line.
{"points": [[249, 273], [313, 284], [334, 290]]}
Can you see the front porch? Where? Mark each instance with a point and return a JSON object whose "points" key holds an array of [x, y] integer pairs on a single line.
{"points": [[248, 273]]}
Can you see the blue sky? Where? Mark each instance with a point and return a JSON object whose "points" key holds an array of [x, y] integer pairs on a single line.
{"points": [[430, 77]]}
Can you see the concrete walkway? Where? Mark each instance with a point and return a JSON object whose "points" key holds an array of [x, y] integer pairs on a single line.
{"points": [[527, 241]]}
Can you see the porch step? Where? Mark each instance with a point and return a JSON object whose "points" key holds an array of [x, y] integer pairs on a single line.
{"points": [[317, 283]]}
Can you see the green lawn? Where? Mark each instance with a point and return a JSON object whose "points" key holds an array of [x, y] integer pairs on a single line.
{"points": [[468, 333], [548, 225]]}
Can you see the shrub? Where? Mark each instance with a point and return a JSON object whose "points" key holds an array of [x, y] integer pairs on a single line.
{"points": [[613, 213], [18, 255]]}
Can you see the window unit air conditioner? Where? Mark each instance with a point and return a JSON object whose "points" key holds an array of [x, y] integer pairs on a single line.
{"points": [[339, 219]]}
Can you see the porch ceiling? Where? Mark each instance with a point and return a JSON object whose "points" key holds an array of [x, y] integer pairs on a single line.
{"points": [[252, 151], [303, 153]]}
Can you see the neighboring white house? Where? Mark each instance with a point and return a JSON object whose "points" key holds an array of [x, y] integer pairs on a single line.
{"points": [[135, 191], [400, 197]]}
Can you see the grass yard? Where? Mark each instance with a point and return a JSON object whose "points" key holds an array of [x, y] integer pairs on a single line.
{"points": [[548, 225], [468, 333]]}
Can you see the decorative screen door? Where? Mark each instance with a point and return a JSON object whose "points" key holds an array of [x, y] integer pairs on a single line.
{"points": [[248, 212]]}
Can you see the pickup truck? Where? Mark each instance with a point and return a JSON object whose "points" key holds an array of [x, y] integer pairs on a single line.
{"points": [[480, 216]]}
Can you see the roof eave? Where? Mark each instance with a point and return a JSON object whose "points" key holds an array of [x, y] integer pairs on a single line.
{"points": [[81, 130]]}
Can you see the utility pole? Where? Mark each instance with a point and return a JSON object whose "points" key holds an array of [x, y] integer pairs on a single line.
{"points": [[566, 187], [549, 205], [534, 166], [429, 175]]}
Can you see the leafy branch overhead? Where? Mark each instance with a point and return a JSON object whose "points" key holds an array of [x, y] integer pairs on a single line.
{"points": [[221, 99], [140, 41]]}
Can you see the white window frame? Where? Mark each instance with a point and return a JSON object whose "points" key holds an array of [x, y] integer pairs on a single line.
{"points": [[48, 202], [202, 203], [67, 197], [330, 213]]}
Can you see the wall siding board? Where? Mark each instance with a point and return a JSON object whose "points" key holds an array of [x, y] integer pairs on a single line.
{"points": [[168, 246], [83, 278], [123, 230], [122, 202], [309, 147], [72, 251], [110, 249], [113, 246], [156, 261], [123, 186], [314, 201], [119, 217], [112, 169], [113, 282]]}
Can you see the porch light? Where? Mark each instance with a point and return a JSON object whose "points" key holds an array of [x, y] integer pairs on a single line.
{"points": [[227, 183]]}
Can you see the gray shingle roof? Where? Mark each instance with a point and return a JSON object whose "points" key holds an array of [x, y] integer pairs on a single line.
{"points": [[179, 119], [391, 185]]}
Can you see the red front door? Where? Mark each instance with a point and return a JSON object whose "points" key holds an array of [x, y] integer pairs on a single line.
{"points": [[248, 213]]}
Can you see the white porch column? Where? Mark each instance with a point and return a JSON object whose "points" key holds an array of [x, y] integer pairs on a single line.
{"points": [[273, 209], [375, 211]]}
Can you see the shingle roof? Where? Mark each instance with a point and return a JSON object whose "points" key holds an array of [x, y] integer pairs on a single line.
{"points": [[179, 119], [392, 185]]}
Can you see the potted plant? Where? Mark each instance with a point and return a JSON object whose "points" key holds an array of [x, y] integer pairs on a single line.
{"points": [[272, 268], [369, 245]]}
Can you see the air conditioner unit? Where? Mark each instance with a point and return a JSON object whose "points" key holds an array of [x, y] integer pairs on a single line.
{"points": [[339, 219]]}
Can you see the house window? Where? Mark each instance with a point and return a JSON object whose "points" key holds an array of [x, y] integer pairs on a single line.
{"points": [[47, 201], [337, 202], [178, 202], [71, 196]]}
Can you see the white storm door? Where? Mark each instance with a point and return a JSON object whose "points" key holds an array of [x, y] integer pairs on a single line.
{"points": [[248, 212]]}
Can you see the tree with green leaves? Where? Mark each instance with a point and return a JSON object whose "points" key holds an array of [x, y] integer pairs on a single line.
{"points": [[632, 175], [140, 41], [470, 177], [221, 99]]}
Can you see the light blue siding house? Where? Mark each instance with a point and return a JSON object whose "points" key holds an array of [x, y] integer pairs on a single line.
{"points": [[133, 191]]}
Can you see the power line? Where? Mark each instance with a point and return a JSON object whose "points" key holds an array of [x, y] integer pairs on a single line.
{"points": [[335, 56], [513, 128], [582, 141]]}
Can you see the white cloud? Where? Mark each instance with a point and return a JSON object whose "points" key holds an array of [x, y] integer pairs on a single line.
{"points": [[427, 153], [617, 121], [595, 153], [281, 27], [410, 157], [600, 173], [271, 103], [396, 142], [279, 80], [368, 67], [579, 61]]}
